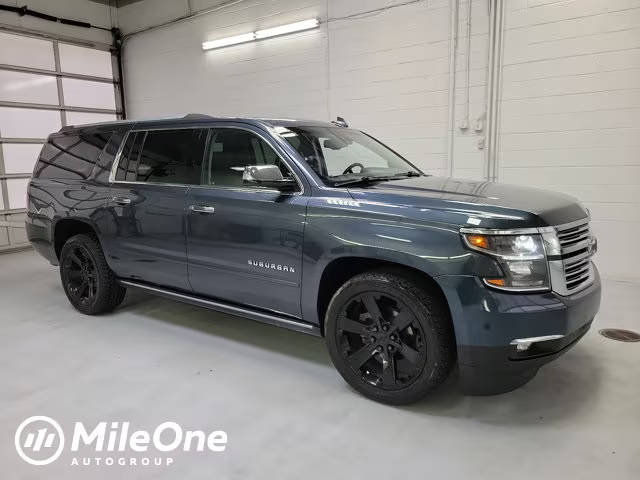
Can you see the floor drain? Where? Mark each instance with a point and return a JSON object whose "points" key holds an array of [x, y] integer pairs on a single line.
{"points": [[620, 334]]}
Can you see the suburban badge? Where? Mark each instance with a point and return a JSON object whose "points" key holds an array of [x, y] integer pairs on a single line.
{"points": [[271, 266]]}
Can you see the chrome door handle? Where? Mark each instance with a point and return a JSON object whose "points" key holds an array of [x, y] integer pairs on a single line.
{"points": [[202, 209], [122, 200]]}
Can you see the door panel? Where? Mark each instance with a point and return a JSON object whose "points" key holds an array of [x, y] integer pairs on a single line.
{"points": [[249, 250], [147, 203], [244, 242], [149, 233]]}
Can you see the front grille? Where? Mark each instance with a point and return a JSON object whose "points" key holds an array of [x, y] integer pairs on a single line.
{"points": [[575, 243]]}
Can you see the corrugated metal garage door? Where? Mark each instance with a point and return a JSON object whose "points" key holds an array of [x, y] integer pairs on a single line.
{"points": [[44, 84], [570, 117]]}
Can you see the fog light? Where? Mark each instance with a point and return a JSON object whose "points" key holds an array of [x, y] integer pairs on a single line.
{"points": [[523, 344]]}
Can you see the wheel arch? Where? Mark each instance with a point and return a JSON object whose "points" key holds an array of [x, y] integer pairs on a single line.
{"points": [[339, 270], [65, 228]]}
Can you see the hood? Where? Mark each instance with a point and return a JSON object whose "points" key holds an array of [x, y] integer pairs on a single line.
{"points": [[496, 205]]}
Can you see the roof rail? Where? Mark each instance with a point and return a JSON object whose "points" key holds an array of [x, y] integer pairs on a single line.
{"points": [[196, 116]]}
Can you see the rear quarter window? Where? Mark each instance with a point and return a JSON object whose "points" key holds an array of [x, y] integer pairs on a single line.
{"points": [[70, 156]]}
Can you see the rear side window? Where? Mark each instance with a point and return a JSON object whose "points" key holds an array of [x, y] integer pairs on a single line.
{"points": [[127, 166], [163, 156], [71, 156]]}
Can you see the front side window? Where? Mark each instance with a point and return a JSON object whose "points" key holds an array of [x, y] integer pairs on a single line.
{"points": [[163, 156], [340, 154], [231, 150]]}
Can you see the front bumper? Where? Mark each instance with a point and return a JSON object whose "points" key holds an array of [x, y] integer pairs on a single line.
{"points": [[486, 322]]}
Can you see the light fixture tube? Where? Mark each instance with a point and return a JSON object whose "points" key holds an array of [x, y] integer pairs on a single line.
{"points": [[225, 42], [260, 34], [289, 28]]}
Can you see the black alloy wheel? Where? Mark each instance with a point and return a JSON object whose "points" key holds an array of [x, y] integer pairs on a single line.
{"points": [[81, 278], [382, 340], [390, 336], [90, 285]]}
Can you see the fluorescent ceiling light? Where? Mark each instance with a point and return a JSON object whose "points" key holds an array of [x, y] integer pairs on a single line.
{"points": [[289, 28], [260, 34], [225, 42]]}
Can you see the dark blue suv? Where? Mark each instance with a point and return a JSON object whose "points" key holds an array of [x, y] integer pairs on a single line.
{"points": [[320, 228]]}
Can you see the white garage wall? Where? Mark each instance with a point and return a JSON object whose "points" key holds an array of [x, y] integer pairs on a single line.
{"points": [[570, 118], [386, 72], [389, 75]]}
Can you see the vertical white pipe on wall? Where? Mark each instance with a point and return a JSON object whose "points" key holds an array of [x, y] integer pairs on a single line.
{"points": [[494, 87], [453, 46]]}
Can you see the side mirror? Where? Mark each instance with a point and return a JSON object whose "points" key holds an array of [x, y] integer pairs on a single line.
{"points": [[268, 176]]}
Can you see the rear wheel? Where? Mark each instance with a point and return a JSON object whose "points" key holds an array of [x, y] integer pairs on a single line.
{"points": [[389, 338], [89, 283]]}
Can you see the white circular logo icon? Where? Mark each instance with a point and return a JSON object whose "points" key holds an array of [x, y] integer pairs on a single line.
{"points": [[39, 440]]}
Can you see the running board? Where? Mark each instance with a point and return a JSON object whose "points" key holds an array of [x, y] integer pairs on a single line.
{"points": [[270, 318]]}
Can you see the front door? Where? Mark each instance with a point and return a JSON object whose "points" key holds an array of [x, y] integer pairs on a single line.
{"points": [[244, 243], [147, 204]]}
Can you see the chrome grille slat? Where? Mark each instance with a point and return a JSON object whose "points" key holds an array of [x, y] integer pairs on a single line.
{"points": [[573, 231], [575, 248], [575, 270], [571, 269], [570, 260], [577, 275]]}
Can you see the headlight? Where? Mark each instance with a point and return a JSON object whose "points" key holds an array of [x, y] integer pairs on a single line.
{"points": [[521, 257]]}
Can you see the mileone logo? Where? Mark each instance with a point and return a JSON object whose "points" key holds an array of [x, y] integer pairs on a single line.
{"points": [[40, 440], [271, 266]]}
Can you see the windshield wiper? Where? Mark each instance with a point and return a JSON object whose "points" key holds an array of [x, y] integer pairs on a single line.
{"points": [[364, 179], [381, 178]]}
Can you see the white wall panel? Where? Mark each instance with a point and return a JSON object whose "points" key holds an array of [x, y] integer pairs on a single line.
{"points": [[387, 73], [284, 76], [26, 51], [85, 61], [138, 15], [28, 88], [571, 113], [84, 93], [28, 123], [20, 157], [17, 191]]}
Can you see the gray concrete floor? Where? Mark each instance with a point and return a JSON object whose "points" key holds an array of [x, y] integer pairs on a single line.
{"points": [[287, 412]]}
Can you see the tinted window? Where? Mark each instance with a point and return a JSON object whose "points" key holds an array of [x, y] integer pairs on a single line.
{"points": [[102, 169], [171, 156], [70, 156], [129, 157], [232, 150]]}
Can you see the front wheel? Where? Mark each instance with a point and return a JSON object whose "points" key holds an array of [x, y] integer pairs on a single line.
{"points": [[389, 337], [89, 283]]}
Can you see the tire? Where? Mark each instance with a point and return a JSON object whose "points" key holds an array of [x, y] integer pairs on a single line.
{"points": [[402, 351], [89, 283]]}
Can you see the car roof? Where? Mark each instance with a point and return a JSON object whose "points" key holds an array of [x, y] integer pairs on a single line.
{"points": [[198, 118]]}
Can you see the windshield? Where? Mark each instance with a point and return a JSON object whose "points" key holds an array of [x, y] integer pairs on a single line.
{"points": [[340, 154]]}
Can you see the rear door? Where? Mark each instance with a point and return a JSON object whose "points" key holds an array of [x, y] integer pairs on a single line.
{"points": [[245, 242], [147, 204]]}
